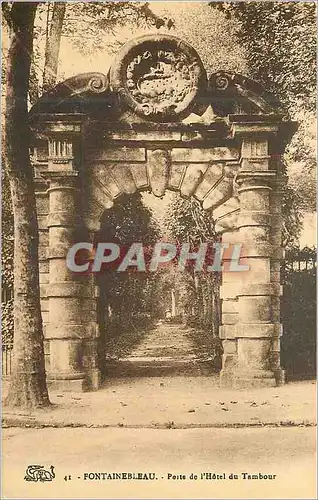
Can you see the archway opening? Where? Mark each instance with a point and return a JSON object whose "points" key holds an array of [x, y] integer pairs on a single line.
{"points": [[158, 319]]}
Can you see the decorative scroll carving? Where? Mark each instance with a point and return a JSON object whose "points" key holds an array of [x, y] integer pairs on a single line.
{"points": [[98, 83], [159, 77], [76, 94], [221, 80], [246, 95]]}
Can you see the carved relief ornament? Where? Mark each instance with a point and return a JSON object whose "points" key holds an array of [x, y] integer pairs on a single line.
{"points": [[158, 76]]}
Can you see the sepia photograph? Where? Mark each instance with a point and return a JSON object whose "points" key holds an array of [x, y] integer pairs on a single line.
{"points": [[159, 251]]}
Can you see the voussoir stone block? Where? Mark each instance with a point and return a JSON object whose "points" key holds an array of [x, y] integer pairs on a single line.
{"points": [[158, 170], [221, 193], [227, 222], [211, 177], [104, 175], [177, 172], [192, 178], [231, 205], [98, 198], [124, 178], [139, 173]]}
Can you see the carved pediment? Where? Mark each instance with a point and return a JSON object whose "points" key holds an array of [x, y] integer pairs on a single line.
{"points": [[159, 78]]}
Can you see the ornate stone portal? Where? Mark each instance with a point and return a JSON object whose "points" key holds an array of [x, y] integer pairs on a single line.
{"points": [[158, 122]]}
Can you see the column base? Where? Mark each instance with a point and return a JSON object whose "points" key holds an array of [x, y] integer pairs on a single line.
{"points": [[241, 379], [94, 380], [280, 376], [90, 381], [67, 385]]}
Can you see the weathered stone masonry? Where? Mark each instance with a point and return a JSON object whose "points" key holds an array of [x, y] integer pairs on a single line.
{"points": [[157, 123]]}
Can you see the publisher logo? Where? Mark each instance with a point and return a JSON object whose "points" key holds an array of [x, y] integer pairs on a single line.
{"points": [[38, 473]]}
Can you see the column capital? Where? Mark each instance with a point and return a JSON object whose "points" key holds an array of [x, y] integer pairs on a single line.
{"points": [[254, 129], [57, 125], [59, 179], [62, 133], [248, 180]]}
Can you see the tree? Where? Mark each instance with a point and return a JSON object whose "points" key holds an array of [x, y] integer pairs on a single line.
{"points": [[28, 380], [90, 27], [128, 293], [43, 24], [7, 264], [53, 41], [210, 33], [280, 46], [186, 221], [279, 40], [128, 300]]}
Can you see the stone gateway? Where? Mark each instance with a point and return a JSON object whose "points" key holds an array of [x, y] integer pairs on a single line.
{"points": [[157, 121]]}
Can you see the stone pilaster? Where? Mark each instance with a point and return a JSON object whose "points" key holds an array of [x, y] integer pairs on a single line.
{"points": [[276, 242], [42, 204], [229, 290]]}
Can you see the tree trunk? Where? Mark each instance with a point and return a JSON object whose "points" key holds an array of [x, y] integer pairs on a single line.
{"points": [[52, 48], [28, 380], [33, 86]]}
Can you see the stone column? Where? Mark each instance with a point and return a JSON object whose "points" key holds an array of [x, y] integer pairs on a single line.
{"points": [[257, 329], [65, 330]]}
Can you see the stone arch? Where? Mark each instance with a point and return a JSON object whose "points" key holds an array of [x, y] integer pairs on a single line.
{"points": [[211, 182], [158, 122]]}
